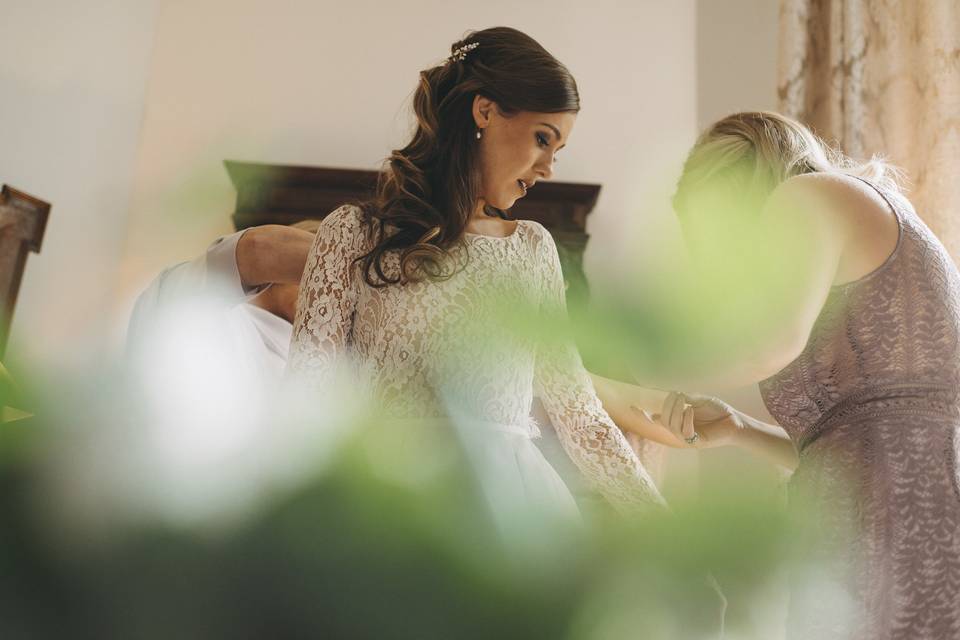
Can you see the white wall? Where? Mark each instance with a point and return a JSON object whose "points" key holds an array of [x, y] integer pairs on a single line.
{"points": [[72, 83], [121, 112], [327, 84], [736, 71], [736, 57]]}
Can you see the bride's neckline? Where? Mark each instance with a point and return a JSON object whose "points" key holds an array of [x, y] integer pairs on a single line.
{"points": [[516, 229]]}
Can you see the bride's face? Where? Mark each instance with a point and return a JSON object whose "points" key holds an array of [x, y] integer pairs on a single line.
{"points": [[517, 151]]}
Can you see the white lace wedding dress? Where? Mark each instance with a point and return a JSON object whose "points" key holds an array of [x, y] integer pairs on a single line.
{"points": [[455, 350]]}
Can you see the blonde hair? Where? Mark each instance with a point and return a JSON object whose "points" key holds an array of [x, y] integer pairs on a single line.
{"points": [[758, 150]]}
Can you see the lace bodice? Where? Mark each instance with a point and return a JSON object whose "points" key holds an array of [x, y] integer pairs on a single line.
{"points": [[436, 348]]}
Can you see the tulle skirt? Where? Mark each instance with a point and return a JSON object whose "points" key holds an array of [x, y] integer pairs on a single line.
{"points": [[516, 483]]}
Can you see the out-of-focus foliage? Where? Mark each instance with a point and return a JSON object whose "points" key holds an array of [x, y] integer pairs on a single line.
{"points": [[371, 542]]}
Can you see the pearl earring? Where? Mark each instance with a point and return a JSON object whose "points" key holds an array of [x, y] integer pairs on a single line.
{"points": [[479, 134]]}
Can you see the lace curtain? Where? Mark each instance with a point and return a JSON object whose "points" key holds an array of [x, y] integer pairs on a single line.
{"points": [[882, 76]]}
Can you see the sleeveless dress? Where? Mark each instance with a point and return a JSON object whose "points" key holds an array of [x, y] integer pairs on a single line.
{"points": [[448, 353], [873, 406]]}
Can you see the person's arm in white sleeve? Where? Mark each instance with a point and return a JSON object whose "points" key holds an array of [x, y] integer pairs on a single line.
{"points": [[232, 270], [240, 265], [587, 433], [328, 294]]}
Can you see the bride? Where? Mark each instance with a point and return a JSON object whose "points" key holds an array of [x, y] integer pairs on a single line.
{"points": [[426, 287]]}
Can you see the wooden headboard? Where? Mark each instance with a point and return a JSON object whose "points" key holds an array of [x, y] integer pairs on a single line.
{"points": [[283, 194]]}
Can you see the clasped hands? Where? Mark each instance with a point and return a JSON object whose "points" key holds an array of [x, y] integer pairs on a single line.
{"points": [[698, 421]]}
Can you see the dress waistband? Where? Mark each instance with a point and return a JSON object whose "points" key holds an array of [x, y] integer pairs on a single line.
{"points": [[894, 400], [527, 429]]}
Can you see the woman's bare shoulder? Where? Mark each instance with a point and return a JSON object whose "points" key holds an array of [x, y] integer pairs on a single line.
{"points": [[859, 212], [849, 198]]}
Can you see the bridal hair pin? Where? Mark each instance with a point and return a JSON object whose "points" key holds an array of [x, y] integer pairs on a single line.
{"points": [[460, 53]]}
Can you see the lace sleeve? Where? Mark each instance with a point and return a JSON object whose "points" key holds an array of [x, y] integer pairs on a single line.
{"points": [[587, 433], [328, 294]]}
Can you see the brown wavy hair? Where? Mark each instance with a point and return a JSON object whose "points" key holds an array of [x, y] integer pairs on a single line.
{"points": [[428, 190]]}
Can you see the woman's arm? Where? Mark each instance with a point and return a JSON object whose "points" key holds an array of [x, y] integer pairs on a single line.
{"points": [[758, 309], [636, 409], [586, 432], [767, 441], [632, 407], [328, 293], [272, 253], [715, 423]]}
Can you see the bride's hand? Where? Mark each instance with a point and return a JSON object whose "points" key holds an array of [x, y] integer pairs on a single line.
{"points": [[700, 421]]}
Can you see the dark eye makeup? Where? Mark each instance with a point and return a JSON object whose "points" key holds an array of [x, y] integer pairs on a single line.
{"points": [[544, 141]]}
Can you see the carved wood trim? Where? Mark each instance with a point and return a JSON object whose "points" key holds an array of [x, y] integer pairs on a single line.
{"points": [[23, 221], [284, 194]]}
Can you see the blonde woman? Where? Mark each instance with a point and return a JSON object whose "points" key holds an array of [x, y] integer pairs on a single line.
{"points": [[848, 315]]}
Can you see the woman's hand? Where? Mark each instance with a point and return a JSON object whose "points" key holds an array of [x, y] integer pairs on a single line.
{"points": [[701, 421]]}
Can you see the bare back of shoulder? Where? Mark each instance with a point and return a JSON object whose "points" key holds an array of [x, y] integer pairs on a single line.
{"points": [[866, 219]]}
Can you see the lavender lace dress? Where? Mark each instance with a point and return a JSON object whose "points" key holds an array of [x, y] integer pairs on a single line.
{"points": [[873, 405]]}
